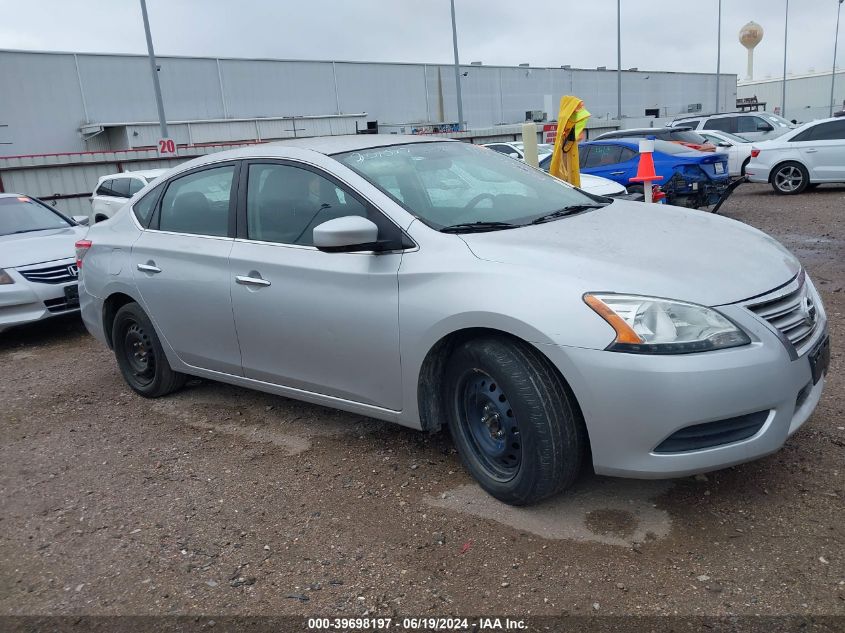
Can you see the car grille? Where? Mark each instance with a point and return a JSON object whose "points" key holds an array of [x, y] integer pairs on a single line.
{"points": [[791, 310], [59, 304], [709, 434], [56, 274]]}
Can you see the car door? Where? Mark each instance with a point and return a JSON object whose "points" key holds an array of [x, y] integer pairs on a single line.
{"points": [[104, 200], [181, 267], [822, 150], [120, 195], [604, 160], [321, 322]]}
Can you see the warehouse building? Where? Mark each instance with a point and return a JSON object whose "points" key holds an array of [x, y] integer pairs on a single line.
{"points": [[807, 95], [78, 102]]}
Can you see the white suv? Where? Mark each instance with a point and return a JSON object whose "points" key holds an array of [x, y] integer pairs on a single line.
{"points": [[755, 126], [114, 190]]}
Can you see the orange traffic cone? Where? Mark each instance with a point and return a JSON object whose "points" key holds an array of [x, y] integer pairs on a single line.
{"points": [[645, 168]]}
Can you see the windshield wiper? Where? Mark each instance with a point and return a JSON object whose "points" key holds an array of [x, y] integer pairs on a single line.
{"points": [[477, 227], [572, 209]]}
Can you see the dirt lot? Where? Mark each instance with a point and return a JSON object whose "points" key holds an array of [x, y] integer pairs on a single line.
{"points": [[219, 500]]}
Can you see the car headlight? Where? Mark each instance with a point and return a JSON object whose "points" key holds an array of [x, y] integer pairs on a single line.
{"points": [[5, 279], [648, 325]]}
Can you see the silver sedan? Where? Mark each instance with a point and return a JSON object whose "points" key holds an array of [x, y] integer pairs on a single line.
{"points": [[38, 274], [433, 283]]}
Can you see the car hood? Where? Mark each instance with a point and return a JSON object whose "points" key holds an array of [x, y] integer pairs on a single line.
{"points": [[599, 186], [24, 249], [649, 249]]}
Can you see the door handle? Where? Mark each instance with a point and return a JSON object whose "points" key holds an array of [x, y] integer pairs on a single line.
{"points": [[245, 280], [616, 173], [149, 268], [811, 151]]}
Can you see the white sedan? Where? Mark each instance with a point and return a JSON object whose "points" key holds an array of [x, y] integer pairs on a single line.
{"points": [[38, 272], [736, 147], [805, 157], [591, 184]]}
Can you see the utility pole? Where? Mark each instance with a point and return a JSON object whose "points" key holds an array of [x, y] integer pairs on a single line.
{"points": [[154, 69], [719, 58], [835, 45], [619, 61], [457, 70], [785, 32]]}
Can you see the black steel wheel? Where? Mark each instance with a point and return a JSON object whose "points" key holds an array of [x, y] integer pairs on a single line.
{"points": [[140, 356], [513, 419]]}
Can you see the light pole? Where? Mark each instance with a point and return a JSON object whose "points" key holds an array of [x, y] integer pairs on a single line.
{"points": [[835, 45], [619, 60], [153, 68], [785, 32], [457, 71], [718, 56]]}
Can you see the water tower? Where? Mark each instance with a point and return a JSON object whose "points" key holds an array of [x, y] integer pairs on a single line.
{"points": [[749, 36]]}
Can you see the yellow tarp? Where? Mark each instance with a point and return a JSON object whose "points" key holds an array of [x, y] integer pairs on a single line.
{"points": [[571, 121]]}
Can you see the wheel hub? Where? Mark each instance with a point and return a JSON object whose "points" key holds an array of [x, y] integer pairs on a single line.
{"points": [[139, 353], [489, 423]]}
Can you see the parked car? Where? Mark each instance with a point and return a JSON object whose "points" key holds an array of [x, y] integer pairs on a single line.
{"points": [[589, 183], [535, 320], [751, 125], [689, 178], [114, 190], [38, 274], [805, 157], [737, 148], [680, 135]]}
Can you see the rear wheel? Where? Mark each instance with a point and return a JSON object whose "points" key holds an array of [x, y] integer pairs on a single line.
{"points": [[140, 356], [513, 420], [790, 178]]}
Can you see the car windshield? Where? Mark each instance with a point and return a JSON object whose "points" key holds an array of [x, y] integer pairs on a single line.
{"points": [[687, 136], [21, 214], [774, 118], [449, 183], [735, 138]]}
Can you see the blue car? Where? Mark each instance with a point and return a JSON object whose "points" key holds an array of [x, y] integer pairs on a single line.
{"points": [[690, 178]]}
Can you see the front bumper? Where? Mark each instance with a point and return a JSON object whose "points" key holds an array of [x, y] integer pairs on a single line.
{"points": [[631, 403], [25, 301]]}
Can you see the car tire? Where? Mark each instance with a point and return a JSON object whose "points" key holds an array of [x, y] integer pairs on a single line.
{"points": [[513, 419], [789, 179], [140, 356]]}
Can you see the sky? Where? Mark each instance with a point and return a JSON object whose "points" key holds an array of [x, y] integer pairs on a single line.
{"points": [[676, 35]]}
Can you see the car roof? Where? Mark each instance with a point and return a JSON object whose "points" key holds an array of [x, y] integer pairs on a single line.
{"points": [[634, 143], [149, 174]]}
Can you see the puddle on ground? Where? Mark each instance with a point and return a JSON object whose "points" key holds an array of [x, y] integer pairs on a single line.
{"points": [[602, 510]]}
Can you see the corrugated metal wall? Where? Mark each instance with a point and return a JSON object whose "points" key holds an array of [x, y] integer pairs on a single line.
{"points": [[47, 96]]}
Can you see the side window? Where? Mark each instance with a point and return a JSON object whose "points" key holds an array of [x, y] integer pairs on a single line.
{"points": [[806, 135], [105, 189], [120, 187], [143, 209], [626, 154], [830, 131], [583, 153], [723, 124], [603, 155], [284, 203], [135, 185], [198, 203], [502, 149]]}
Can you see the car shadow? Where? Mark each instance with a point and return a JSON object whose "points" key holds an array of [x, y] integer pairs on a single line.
{"points": [[62, 328]]}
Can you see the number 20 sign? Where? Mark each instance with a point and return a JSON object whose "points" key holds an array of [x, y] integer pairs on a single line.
{"points": [[166, 147]]}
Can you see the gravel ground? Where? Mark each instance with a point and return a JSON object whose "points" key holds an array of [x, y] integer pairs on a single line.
{"points": [[225, 501]]}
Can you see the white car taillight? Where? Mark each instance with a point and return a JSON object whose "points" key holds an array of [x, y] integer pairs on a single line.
{"points": [[82, 247]]}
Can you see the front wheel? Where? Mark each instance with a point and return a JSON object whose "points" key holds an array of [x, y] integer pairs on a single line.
{"points": [[140, 356], [790, 178], [513, 420]]}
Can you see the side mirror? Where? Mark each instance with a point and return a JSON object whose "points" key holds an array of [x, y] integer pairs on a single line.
{"points": [[513, 154], [725, 144], [348, 234], [81, 219]]}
